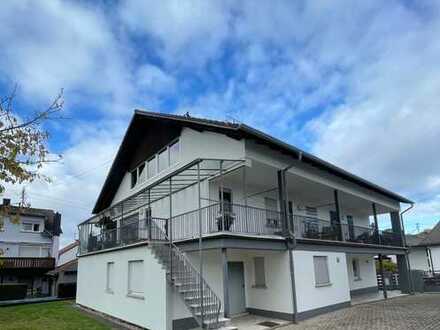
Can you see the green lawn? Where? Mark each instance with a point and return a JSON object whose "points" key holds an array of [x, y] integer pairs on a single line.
{"points": [[51, 315]]}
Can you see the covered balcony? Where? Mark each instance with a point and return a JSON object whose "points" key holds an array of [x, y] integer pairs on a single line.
{"points": [[208, 198]]}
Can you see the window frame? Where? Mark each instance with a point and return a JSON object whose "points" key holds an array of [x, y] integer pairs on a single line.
{"points": [[316, 269], [110, 266], [130, 292], [33, 224], [356, 272], [259, 268]]}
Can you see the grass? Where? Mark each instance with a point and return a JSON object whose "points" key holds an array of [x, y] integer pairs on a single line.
{"points": [[50, 316]]}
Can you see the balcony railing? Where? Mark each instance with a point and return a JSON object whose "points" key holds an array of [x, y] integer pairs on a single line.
{"points": [[24, 262], [233, 218], [314, 228]]}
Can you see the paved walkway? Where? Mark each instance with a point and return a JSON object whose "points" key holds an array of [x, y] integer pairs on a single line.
{"points": [[417, 312]]}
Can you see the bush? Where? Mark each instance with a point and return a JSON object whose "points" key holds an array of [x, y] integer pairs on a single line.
{"points": [[66, 290], [13, 291]]}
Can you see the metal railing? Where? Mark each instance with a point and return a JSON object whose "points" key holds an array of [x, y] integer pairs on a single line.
{"points": [[197, 295], [132, 232], [314, 228], [235, 218]]}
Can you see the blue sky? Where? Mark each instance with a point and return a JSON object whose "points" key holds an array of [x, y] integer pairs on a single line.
{"points": [[356, 83]]}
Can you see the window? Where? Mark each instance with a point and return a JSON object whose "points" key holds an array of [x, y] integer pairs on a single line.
{"points": [[2, 225], [32, 227], [227, 199], [162, 160], [110, 277], [260, 275], [351, 233], [174, 152], [29, 251], [320, 264], [136, 278], [134, 177], [151, 167], [141, 175], [356, 270]]}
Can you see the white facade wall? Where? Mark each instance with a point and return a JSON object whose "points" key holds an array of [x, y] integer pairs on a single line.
{"points": [[193, 145], [309, 296], [13, 237], [367, 272], [277, 296], [67, 256], [435, 253], [418, 259], [150, 312]]}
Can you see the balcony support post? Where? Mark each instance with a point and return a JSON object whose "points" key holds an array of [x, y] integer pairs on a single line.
{"points": [[200, 242], [282, 200], [402, 260], [222, 206], [382, 274], [338, 214], [170, 227], [225, 282], [376, 224], [245, 199]]}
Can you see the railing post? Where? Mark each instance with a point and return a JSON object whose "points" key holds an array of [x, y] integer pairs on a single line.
{"points": [[200, 242], [222, 206], [245, 200], [170, 226]]}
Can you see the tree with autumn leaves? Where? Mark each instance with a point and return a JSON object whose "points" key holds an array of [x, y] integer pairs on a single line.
{"points": [[23, 145]]}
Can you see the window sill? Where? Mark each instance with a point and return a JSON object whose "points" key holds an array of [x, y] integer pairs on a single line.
{"points": [[136, 296], [31, 231], [357, 279], [109, 291], [259, 286], [323, 285]]}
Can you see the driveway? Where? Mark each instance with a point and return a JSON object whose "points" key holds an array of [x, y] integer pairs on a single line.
{"points": [[417, 312]]}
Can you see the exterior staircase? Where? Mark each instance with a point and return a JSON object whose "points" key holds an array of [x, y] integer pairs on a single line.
{"points": [[199, 298]]}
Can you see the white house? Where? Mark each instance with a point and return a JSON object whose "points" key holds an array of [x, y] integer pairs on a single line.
{"points": [[65, 272], [200, 220], [29, 243], [424, 250]]}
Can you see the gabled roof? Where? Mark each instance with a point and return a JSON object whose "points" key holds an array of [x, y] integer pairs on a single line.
{"points": [[234, 130], [68, 247]]}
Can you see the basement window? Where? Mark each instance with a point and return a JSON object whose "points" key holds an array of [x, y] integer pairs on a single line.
{"points": [[110, 277], [260, 273], [136, 279], [320, 265]]}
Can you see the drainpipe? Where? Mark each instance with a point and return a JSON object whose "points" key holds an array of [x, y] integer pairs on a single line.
{"points": [[411, 286], [290, 245]]}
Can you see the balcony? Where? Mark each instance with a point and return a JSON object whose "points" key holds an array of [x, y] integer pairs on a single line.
{"points": [[26, 263], [234, 219]]}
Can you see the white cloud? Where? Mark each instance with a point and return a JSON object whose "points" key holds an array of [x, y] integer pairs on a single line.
{"points": [[186, 32]]}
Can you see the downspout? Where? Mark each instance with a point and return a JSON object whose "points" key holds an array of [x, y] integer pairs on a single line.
{"points": [[404, 243], [291, 245]]}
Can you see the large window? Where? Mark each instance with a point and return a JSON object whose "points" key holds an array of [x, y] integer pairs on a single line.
{"points": [[320, 264], [30, 251], [163, 162], [174, 152], [136, 278], [110, 277], [260, 274], [166, 157]]}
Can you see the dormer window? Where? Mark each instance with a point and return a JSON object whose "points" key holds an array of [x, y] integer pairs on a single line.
{"points": [[31, 227], [165, 158]]}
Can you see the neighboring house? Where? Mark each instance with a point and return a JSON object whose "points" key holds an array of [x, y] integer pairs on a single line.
{"points": [[201, 220], [29, 243], [65, 272], [424, 250]]}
